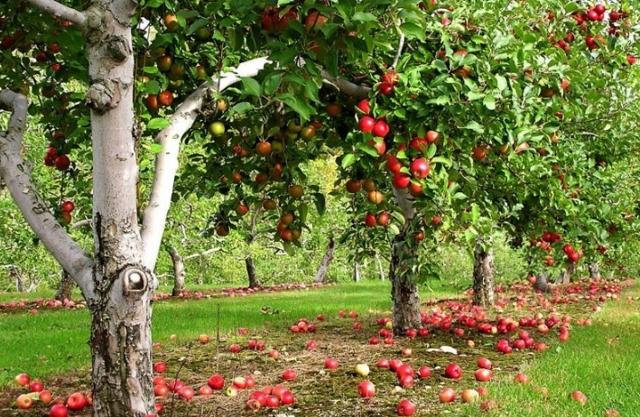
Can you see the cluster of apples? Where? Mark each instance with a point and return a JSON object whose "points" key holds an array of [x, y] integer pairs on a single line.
{"points": [[303, 326], [572, 255], [77, 401], [270, 397], [54, 158]]}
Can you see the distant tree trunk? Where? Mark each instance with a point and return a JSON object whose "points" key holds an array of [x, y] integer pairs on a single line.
{"points": [[594, 271], [179, 272], [254, 282], [542, 282], [356, 271], [323, 269], [380, 268], [565, 276], [65, 288], [483, 276], [14, 272]]}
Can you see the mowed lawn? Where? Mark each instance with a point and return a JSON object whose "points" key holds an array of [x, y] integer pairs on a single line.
{"points": [[55, 341], [602, 361]]}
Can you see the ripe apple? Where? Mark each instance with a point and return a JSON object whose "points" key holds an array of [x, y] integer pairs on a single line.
{"points": [[160, 390], [364, 106], [289, 375], [24, 402], [235, 348], [420, 168], [406, 381], [366, 124], [453, 371], [330, 364], [165, 98], [424, 372], [447, 395], [203, 339], [381, 128], [76, 401], [45, 396], [58, 410], [521, 378], [362, 369], [579, 397], [470, 396], [483, 375], [187, 393], [216, 381], [287, 398], [239, 382], [405, 408], [23, 379], [484, 363], [36, 386], [366, 389], [383, 364]]}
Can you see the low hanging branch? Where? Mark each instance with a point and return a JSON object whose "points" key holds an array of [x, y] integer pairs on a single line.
{"points": [[155, 215], [60, 11], [17, 176]]}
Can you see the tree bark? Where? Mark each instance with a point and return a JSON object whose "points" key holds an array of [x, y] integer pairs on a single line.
{"points": [[542, 282], [594, 271], [323, 269], [14, 273], [356, 271], [179, 272], [483, 276], [254, 282], [565, 276], [402, 271], [65, 288]]}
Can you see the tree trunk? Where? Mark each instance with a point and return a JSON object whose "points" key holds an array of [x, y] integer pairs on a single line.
{"points": [[179, 272], [323, 269], [483, 276], [381, 273], [65, 288], [565, 276], [14, 272], [594, 271], [542, 282], [254, 282], [404, 290], [402, 270], [356, 271]]}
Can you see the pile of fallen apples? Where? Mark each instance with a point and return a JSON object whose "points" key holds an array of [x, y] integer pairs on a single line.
{"points": [[524, 321]]}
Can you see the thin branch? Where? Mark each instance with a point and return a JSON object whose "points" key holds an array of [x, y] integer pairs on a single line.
{"points": [[17, 177], [60, 11], [346, 87], [202, 254], [399, 53], [80, 224]]}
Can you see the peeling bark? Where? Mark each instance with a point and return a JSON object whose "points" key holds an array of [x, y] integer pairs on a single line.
{"points": [[594, 271], [15, 273], [179, 272], [483, 276], [65, 287], [323, 269]]}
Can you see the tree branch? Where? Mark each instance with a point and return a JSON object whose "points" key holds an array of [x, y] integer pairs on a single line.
{"points": [[17, 177], [346, 87], [399, 52], [155, 215], [60, 11]]}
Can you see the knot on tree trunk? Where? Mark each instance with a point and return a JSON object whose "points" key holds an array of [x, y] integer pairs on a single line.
{"points": [[103, 96], [118, 48]]}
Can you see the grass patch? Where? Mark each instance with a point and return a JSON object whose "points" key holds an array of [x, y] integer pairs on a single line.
{"points": [[602, 361], [55, 342]]}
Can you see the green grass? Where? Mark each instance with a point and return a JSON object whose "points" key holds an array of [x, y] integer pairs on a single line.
{"points": [[55, 342], [602, 361]]}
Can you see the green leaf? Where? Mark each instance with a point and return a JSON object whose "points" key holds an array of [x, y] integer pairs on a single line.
{"points": [[413, 31], [489, 102], [240, 108], [321, 204], [475, 126], [155, 148], [442, 160], [300, 106], [157, 123], [271, 83], [431, 151], [251, 87], [200, 23], [348, 160], [502, 82], [364, 17]]}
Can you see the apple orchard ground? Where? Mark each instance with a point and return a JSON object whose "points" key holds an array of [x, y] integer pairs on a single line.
{"points": [[601, 360]]}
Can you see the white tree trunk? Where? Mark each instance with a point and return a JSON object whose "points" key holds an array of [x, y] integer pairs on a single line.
{"points": [[65, 287], [380, 268], [356, 272], [594, 271]]}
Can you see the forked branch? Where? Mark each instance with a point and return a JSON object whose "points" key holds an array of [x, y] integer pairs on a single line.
{"points": [[17, 176]]}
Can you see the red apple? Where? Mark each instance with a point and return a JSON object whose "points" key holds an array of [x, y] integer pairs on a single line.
{"points": [[453, 371], [289, 375], [58, 410], [216, 381], [366, 389], [330, 363], [483, 375], [76, 401], [24, 402], [405, 408], [447, 395], [23, 379]]}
